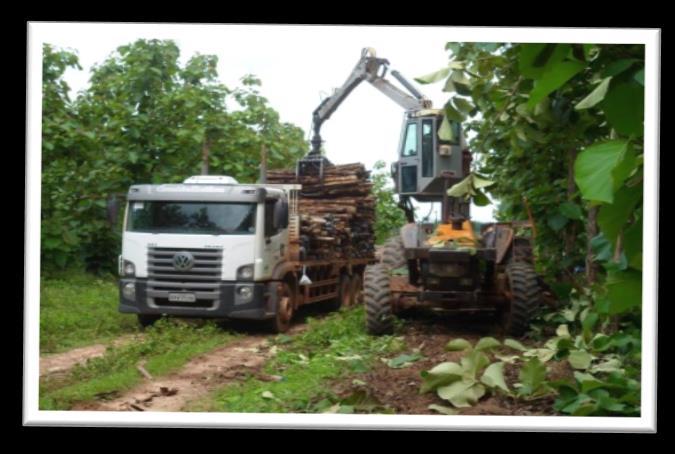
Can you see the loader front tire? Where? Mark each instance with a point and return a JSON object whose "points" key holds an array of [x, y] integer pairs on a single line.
{"points": [[524, 298], [393, 254], [377, 300]]}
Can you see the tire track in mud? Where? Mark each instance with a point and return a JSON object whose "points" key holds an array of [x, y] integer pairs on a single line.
{"points": [[196, 379], [59, 363]]}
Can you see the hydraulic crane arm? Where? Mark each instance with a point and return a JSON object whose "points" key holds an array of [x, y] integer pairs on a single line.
{"points": [[374, 71]]}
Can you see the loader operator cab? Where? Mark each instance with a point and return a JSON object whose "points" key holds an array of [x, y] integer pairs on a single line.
{"points": [[428, 165]]}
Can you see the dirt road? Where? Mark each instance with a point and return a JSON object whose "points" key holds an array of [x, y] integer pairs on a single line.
{"points": [[58, 363], [196, 379]]}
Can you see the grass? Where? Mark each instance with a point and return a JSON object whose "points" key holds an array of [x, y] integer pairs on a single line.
{"points": [[167, 346], [78, 309], [333, 347]]}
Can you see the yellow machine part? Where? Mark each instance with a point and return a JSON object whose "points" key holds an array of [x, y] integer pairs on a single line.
{"points": [[444, 233]]}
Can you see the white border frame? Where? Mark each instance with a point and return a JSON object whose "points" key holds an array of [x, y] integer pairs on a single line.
{"points": [[32, 416]]}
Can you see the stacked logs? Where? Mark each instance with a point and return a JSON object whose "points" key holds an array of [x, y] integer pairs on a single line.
{"points": [[337, 212]]}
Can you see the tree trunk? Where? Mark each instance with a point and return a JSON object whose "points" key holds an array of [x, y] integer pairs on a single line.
{"points": [[205, 157], [591, 232]]}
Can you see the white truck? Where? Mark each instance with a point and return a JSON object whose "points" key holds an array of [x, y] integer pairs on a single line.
{"points": [[213, 248]]}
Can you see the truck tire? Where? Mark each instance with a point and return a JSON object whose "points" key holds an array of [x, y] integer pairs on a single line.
{"points": [[285, 310], [524, 289], [377, 299], [146, 320], [393, 255]]}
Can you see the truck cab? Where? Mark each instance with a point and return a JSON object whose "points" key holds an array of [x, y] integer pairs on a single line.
{"points": [[207, 248]]}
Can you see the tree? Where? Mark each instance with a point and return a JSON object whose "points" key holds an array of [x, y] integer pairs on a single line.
{"points": [[144, 119], [389, 217], [534, 109]]}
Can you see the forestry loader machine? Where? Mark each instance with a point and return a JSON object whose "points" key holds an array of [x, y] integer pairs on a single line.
{"points": [[450, 266]]}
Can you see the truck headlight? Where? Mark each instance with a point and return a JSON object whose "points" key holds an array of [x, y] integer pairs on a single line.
{"points": [[129, 268], [245, 293], [245, 272], [129, 291]]}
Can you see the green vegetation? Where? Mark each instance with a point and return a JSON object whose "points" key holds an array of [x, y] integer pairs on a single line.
{"points": [[572, 115], [165, 347], [144, 118], [79, 309], [389, 218], [334, 347]]}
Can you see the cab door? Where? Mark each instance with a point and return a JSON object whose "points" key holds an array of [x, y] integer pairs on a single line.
{"points": [[275, 240], [409, 161]]}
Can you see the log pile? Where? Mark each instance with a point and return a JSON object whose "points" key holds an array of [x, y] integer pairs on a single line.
{"points": [[336, 213]]}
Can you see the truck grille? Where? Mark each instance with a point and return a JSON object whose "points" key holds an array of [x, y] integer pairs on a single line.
{"points": [[203, 279]]}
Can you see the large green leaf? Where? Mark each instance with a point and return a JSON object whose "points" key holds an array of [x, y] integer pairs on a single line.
{"points": [[595, 96], [462, 393], [453, 114], [458, 344], [443, 409], [514, 344], [624, 108], [445, 132], [473, 363], [441, 375], [493, 377], [463, 105], [612, 218], [624, 291], [579, 359], [595, 170], [434, 76], [571, 211], [553, 78], [532, 375], [535, 59], [617, 67], [487, 343]]}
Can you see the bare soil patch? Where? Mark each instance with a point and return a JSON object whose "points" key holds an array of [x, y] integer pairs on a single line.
{"points": [[59, 363], [196, 379], [399, 388]]}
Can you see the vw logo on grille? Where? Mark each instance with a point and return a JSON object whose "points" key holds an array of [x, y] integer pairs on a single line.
{"points": [[183, 261]]}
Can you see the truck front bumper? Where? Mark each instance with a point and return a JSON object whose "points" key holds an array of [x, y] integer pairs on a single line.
{"points": [[228, 303]]}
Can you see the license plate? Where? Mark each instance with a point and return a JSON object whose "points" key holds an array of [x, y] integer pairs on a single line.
{"points": [[182, 297]]}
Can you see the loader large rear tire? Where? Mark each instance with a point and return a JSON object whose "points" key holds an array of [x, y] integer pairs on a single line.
{"points": [[393, 255], [524, 291], [377, 299]]}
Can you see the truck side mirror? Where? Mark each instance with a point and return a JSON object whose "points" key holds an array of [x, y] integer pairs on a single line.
{"points": [[280, 218]]}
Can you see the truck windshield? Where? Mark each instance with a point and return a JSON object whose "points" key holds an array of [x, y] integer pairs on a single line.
{"points": [[208, 218]]}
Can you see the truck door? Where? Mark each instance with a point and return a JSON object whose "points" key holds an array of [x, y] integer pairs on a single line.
{"points": [[275, 240], [410, 159]]}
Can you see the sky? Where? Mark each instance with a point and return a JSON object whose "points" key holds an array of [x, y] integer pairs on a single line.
{"points": [[298, 67]]}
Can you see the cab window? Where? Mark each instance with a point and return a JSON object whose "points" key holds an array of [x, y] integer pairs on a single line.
{"points": [[410, 142]]}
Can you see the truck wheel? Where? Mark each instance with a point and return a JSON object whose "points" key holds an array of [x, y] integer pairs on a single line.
{"points": [[524, 298], [146, 320], [393, 255], [282, 320], [356, 291], [377, 299]]}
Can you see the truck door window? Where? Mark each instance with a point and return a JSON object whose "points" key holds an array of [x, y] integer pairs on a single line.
{"points": [[427, 148], [410, 142], [269, 218]]}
